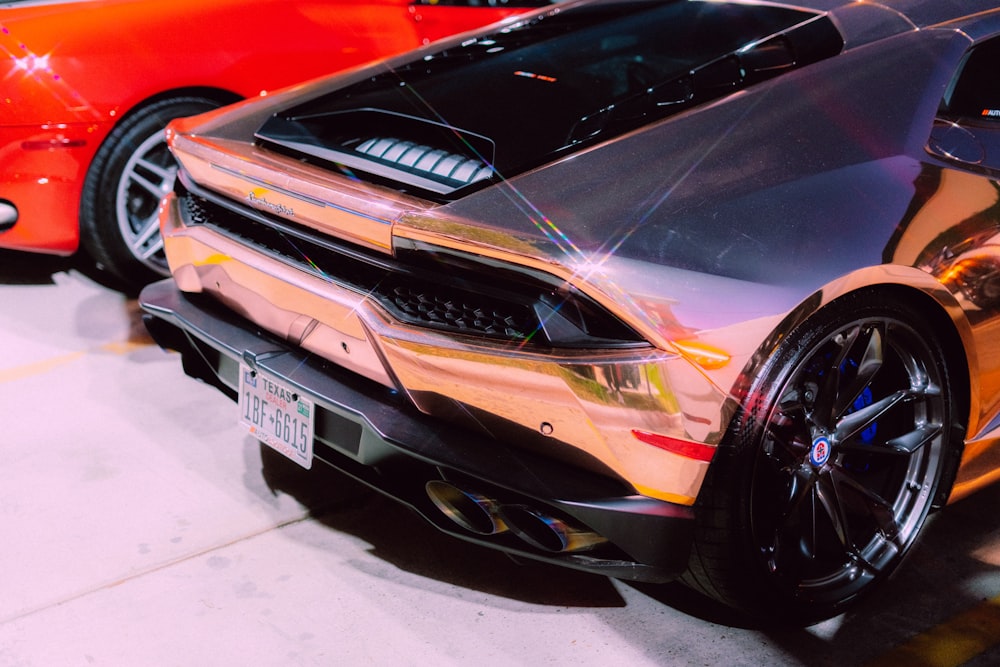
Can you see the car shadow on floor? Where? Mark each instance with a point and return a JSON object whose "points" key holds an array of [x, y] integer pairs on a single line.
{"points": [[938, 580], [952, 568], [348, 506], [28, 268], [24, 268]]}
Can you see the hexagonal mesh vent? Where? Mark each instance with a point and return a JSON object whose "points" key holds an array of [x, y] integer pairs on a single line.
{"points": [[456, 310]]}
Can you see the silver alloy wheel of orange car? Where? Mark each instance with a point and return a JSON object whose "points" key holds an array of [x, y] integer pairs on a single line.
{"points": [[148, 175], [131, 171]]}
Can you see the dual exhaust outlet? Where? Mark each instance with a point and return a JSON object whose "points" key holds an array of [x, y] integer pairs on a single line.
{"points": [[485, 516]]}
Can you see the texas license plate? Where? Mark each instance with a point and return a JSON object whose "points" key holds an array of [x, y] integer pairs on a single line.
{"points": [[277, 415]]}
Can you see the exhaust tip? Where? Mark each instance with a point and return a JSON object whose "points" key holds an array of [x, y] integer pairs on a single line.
{"points": [[472, 511], [548, 532]]}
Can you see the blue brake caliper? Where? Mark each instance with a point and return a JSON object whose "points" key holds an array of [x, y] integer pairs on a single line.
{"points": [[867, 436]]}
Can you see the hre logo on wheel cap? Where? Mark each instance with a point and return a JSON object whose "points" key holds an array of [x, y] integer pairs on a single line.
{"points": [[820, 452]]}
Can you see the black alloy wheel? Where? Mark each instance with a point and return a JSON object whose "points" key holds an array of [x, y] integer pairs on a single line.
{"points": [[837, 460]]}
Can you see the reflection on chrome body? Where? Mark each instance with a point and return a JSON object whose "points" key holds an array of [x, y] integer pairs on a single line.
{"points": [[246, 172], [962, 256], [591, 401]]}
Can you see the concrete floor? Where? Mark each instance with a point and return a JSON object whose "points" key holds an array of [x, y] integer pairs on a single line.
{"points": [[139, 525]]}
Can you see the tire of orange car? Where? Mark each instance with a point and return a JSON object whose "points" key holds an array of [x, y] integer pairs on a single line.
{"points": [[102, 229]]}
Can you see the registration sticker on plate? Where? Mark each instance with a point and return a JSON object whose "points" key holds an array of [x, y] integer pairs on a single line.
{"points": [[276, 415]]}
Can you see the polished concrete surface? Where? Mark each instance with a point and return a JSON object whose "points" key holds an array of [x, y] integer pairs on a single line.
{"points": [[139, 525]]}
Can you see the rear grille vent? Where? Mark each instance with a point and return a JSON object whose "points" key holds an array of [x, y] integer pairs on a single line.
{"points": [[480, 302], [463, 314]]}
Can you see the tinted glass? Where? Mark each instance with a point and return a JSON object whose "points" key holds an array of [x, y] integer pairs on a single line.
{"points": [[517, 98], [976, 93]]}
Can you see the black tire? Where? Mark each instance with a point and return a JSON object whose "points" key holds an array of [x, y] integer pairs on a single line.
{"points": [[129, 174], [831, 466]]}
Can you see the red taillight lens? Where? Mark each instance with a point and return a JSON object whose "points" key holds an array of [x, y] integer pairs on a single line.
{"points": [[686, 448]]}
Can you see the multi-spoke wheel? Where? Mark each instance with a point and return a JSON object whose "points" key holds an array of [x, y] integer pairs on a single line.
{"points": [[830, 471], [129, 175]]}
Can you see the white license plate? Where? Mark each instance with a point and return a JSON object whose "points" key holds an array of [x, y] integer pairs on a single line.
{"points": [[277, 416]]}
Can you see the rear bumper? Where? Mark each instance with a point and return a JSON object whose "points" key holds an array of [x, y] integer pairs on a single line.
{"points": [[42, 169], [365, 430]]}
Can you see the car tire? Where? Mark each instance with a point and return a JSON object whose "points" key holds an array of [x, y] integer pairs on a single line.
{"points": [[131, 171], [830, 467]]}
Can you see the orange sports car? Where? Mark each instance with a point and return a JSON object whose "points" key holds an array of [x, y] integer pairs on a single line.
{"points": [[88, 86]]}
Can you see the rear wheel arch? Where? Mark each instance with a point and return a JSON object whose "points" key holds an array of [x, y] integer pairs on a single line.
{"points": [[220, 96], [944, 315]]}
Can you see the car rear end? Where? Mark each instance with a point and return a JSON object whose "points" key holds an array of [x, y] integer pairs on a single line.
{"points": [[329, 278]]}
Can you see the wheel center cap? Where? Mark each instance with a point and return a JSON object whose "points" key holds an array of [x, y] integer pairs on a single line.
{"points": [[820, 452]]}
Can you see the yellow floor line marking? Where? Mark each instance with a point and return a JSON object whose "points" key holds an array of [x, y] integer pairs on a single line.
{"points": [[952, 643], [38, 368], [124, 346], [46, 365]]}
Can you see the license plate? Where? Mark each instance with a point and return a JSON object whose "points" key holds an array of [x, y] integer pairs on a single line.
{"points": [[277, 415]]}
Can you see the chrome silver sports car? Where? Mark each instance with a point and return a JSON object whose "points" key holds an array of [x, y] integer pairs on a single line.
{"points": [[678, 289]]}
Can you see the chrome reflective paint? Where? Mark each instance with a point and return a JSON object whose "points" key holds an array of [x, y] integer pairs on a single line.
{"points": [[717, 236]]}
